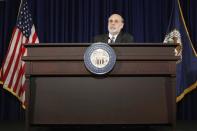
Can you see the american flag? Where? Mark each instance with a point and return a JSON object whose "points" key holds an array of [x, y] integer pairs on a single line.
{"points": [[13, 68]]}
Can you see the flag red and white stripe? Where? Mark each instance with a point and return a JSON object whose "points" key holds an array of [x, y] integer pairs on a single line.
{"points": [[13, 68]]}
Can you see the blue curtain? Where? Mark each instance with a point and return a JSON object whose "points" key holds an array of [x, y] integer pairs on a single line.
{"points": [[72, 21], [2, 8], [80, 20], [190, 15]]}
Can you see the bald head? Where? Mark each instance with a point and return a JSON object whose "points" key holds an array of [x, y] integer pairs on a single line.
{"points": [[115, 24], [117, 16]]}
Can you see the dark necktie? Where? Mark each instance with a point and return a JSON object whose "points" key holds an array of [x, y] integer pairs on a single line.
{"points": [[112, 40]]}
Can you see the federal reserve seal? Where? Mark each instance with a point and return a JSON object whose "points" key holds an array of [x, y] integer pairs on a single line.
{"points": [[99, 58]]}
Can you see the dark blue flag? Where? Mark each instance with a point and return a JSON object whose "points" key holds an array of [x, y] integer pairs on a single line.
{"points": [[187, 66]]}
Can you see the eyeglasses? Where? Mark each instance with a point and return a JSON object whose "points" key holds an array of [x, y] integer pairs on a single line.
{"points": [[115, 21]]}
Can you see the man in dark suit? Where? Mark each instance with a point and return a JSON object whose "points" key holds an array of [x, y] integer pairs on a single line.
{"points": [[115, 35]]}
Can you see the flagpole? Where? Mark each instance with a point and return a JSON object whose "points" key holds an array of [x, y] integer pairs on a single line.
{"points": [[19, 8]]}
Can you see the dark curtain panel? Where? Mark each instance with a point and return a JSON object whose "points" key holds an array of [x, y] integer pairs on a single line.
{"points": [[2, 11], [190, 14], [67, 21], [2, 6], [80, 20]]}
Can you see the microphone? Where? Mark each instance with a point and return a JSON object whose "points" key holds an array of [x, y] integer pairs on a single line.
{"points": [[109, 39]]}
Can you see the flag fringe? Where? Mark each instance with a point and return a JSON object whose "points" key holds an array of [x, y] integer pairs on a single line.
{"points": [[186, 91], [13, 93]]}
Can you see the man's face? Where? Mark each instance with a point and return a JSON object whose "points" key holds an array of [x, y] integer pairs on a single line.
{"points": [[115, 24]]}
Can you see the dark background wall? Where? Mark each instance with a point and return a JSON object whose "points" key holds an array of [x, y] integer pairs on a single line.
{"points": [[67, 21]]}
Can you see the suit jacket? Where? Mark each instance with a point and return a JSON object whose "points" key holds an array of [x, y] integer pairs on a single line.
{"points": [[121, 38]]}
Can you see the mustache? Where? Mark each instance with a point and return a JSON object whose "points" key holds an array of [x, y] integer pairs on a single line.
{"points": [[112, 27]]}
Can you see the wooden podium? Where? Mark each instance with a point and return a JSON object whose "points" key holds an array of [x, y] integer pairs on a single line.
{"points": [[139, 90]]}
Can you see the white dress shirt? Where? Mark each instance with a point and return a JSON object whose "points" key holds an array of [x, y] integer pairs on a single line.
{"points": [[110, 37]]}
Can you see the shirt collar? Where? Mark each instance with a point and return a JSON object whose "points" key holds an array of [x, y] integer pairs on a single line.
{"points": [[110, 36]]}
